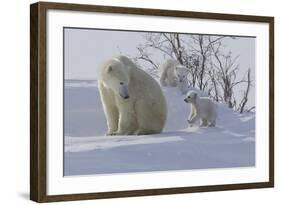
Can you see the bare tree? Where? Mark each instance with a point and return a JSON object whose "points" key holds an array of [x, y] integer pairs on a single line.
{"points": [[146, 57], [192, 64], [226, 74], [174, 46], [201, 45], [226, 71], [167, 43], [210, 68], [215, 96], [246, 93]]}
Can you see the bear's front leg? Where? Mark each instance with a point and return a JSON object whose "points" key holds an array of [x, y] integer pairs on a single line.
{"points": [[190, 117], [112, 121], [173, 82], [127, 123], [192, 120], [192, 114], [110, 109], [163, 81]]}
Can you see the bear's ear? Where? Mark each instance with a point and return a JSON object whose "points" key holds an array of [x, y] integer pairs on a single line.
{"points": [[109, 69]]}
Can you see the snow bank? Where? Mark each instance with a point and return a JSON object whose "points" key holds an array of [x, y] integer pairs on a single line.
{"points": [[80, 144], [87, 151]]}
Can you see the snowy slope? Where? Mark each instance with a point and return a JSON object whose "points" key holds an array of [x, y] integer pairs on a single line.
{"points": [[87, 151]]}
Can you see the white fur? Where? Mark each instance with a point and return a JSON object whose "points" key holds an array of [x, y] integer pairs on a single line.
{"points": [[174, 75], [132, 100], [202, 108]]}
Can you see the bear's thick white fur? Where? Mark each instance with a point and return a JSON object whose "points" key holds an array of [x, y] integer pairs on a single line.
{"points": [[132, 100], [202, 108], [174, 75]]}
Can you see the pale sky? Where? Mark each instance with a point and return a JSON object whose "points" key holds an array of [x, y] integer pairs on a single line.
{"points": [[87, 49]]}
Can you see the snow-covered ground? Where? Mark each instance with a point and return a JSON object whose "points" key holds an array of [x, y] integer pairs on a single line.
{"points": [[87, 151]]}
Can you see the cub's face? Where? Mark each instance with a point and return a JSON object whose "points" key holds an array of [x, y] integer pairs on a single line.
{"points": [[191, 97], [181, 73], [116, 78]]}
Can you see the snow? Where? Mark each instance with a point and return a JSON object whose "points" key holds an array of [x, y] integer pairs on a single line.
{"points": [[79, 84], [75, 144], [88, 151]]}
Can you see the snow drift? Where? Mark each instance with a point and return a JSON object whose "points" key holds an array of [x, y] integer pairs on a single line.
{"points": [[87, 151]]}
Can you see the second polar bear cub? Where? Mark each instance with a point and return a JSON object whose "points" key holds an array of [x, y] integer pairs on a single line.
{"points": [[202, 108], [173, 74], [132, 100]]}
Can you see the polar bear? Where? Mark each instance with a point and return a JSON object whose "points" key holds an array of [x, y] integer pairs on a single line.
{"points": [[202, 108], [132, 100], [174, 74]]}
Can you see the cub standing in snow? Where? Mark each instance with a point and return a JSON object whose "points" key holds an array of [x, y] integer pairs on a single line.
{"points": [[173, 74], [202, 108]]}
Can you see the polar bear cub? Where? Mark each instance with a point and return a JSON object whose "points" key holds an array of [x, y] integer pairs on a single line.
{"points": [[132, 100], [202, 108], [174, 75]]}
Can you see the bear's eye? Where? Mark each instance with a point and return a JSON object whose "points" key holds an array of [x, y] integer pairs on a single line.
{"points": [[121, 83], [188, 97]]}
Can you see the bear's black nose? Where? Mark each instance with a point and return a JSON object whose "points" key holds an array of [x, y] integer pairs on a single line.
{"points": [[126, 97], [121, 83]]}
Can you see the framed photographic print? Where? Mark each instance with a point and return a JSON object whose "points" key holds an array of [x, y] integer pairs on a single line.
{"points": [[134, 102]]}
